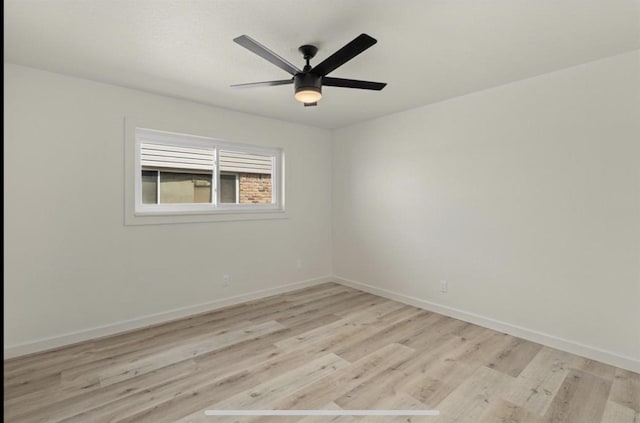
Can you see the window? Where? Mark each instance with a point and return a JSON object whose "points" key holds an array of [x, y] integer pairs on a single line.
{"points": [[229, 188], [184, 174], [165, 186]]}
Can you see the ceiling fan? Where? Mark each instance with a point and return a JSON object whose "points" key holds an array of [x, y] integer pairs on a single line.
{"points": [[308, 82]]}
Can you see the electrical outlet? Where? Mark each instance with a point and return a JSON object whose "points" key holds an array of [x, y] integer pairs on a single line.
{"points": [[444, 286], [299, 264], [226, 280]]}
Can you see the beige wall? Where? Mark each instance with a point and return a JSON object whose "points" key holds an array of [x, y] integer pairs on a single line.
{"points": [[525, 198], [71, 264]]}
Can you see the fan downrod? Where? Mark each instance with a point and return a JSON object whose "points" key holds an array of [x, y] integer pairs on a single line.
{"points": [[308, 51]]}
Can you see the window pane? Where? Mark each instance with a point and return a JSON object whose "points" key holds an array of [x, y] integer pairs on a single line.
{"points": [[255, 188], [149, 187], [185, 187], [254, 175], [228, 188]]}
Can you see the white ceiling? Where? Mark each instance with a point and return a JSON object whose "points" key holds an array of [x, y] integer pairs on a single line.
{"points": [[427, 50]]}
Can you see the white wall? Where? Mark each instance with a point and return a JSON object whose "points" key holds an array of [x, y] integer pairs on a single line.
{"points": [[72, 265], [525, 198]]}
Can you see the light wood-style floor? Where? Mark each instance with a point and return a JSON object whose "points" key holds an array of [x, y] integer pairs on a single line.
{"points": [[323, 347]]}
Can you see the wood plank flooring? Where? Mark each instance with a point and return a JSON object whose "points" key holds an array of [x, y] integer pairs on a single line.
{"points": [[326, 347]]}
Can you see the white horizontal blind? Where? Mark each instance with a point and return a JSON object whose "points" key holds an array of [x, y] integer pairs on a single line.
{"points": [[233, 161], [171, 156]]}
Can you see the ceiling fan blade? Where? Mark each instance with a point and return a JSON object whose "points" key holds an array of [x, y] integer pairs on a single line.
{"points": [[254, 46], [346, 53], [263, 84], [352, 83], [315, 103]]}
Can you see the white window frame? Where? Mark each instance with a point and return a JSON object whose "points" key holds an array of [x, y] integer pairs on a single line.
{"points": [[138, 213]]}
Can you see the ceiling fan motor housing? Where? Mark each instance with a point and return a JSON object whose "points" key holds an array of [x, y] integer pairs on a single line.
{"points": [[307, 81]]}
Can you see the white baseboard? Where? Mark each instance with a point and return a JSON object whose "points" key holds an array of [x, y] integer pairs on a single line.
{"points": [[567, 345], [151, 319]]}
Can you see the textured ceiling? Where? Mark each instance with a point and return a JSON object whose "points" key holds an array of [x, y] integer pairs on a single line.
{"points": [[427, 50]]}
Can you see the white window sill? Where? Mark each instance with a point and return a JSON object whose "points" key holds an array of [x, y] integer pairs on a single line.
{"points": [[163, 217]]}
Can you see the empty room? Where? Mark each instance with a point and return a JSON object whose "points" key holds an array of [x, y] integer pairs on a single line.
{"points": [[308, 211]]}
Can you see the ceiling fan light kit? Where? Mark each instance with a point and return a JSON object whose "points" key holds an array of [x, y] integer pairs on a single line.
{"points": [[308, 88], [308, 82]]}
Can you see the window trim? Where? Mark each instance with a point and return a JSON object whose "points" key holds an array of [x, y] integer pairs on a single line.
{"points": [[138, 213]]}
